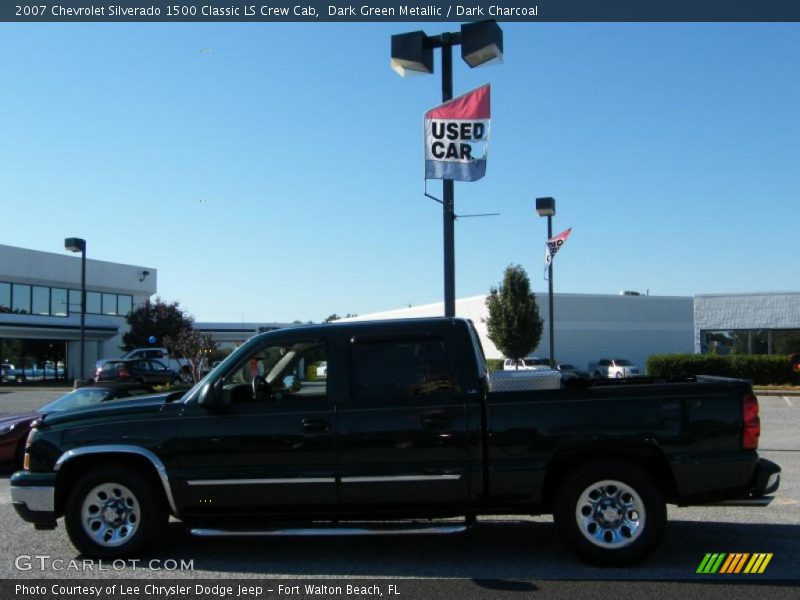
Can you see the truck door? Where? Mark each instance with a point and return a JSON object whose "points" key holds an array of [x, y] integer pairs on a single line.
{"points": [[272, 447], [401, 427]]}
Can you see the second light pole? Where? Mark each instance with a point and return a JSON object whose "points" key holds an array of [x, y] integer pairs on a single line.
{"points": [[546, 207], [79, 245]]}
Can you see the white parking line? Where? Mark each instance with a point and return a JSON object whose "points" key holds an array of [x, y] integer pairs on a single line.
{"points": [[788, 401]]}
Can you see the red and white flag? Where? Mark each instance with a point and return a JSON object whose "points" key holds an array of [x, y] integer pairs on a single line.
{"points": [[552, 246]]}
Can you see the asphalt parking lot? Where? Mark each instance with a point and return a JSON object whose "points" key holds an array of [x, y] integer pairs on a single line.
{"points": [[498, 549]]}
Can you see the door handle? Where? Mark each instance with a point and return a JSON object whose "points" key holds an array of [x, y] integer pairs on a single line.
{"points": [[316, 425], [436, 421]]}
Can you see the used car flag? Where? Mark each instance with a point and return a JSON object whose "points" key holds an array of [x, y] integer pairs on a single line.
{"points": [[552, 246], [457, 136]]}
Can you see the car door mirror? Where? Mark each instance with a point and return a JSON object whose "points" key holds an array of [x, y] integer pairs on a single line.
{"points": [[207, 397]]}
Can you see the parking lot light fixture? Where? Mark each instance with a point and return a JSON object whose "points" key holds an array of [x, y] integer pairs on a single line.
{"points": [[546, 207], [79, 245], [482, 43]]}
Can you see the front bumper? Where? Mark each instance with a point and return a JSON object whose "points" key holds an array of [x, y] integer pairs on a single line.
{"points": [[33, 498]]}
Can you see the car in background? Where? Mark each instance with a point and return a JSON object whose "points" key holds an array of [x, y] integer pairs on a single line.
{"points": [[152, 372], [569, 371], [14, 428], [530, 363], [6, 372], [179, 365], [613, 368], [795, 360]]}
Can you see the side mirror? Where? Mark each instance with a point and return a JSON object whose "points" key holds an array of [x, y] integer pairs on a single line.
{"points": [[206, 397]]}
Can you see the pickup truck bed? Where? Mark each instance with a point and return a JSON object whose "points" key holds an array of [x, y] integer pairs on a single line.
{"points": [[403, 426]]}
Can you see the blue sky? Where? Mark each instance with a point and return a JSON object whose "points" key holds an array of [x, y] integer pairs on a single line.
{"points": [[274, 171]]}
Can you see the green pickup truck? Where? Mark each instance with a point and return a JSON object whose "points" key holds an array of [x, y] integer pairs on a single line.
{"points": [[403, 428]]}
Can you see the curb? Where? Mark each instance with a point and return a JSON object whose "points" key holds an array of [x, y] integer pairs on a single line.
{"points": [[789, 393]]}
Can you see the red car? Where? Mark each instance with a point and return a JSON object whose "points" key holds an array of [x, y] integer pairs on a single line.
{"points": [[14, 428], [795, 359]]}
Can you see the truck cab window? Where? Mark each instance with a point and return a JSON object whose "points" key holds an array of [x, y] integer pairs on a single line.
{"points": [[283, 373], [397, 369]]}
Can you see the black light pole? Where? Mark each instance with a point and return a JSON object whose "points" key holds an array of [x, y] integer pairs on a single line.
{"points": [[412, 54], [546, 207], [79, 245]]}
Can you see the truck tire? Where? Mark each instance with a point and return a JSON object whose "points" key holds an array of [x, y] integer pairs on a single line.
{"points": [[114, 513], [610, 513]]}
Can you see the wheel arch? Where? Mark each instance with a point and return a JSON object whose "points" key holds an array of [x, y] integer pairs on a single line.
{"points": [[646, 455], [73, 463]]}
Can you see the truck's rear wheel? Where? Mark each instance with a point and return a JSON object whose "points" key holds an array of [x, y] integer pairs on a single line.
{"points": [[610, 513], [113, 514]]}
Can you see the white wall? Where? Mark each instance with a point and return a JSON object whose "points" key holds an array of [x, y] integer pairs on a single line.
{"points": [[587, 326]]}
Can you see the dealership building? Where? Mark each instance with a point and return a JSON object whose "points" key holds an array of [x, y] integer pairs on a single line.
{"points": [[40, 317]]}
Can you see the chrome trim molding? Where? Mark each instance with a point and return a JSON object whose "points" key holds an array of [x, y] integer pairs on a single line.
{"points": [[330, 531], [124, 449], [395, 478], [36, 498], [261, 481]]}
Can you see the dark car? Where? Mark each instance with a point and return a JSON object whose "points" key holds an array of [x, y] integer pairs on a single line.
{"points": [[14, 428], [139, 370], [569, 371]]}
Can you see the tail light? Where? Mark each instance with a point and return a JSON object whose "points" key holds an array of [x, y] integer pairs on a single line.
{"points": [[123, 373], [751, 423]]}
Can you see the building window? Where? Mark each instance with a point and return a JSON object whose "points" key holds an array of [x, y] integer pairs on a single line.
{"points": [[751, 341], [93, 303], [109, 304], [58, 302], [125, 305], [41, 300], [5, 297], [75, 301], [21, 298]]}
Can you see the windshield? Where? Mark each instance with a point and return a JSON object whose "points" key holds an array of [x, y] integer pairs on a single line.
{"points": [[621, 362], [77, 398]]}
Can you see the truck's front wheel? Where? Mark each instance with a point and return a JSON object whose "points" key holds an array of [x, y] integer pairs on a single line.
{"points": [[610, 513], [113, 514]]}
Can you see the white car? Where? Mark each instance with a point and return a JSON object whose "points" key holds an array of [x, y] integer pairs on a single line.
{"points": [[322, 370], [526, 364], [613, 368], [6, 371]]}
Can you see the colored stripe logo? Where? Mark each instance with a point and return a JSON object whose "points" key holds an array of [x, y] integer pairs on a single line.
{"points": [[734, 563]]}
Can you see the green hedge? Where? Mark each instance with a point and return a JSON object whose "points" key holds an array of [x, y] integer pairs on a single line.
{"points": [[761, 369], [494, 364]]}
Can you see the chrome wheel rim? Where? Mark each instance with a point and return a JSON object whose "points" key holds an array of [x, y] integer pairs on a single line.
{"points": [[610, 514], [110, 514]]}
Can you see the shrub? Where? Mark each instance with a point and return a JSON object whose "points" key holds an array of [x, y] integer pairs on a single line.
{"points": [[761, 369], [494, 364]]}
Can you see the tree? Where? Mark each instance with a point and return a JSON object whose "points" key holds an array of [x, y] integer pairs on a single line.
{"points": [[333, 317], [195, 347], [514, 324], [157, 319]]}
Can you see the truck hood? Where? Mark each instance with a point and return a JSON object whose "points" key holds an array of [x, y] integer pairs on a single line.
{"points": [[115, 408]]}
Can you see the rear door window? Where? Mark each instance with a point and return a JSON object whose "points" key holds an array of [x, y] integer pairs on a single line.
{"points": [[400, 369]]}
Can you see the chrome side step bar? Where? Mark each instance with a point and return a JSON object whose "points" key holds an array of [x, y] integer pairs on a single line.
{"points": [[760, 501], [332, 531]]}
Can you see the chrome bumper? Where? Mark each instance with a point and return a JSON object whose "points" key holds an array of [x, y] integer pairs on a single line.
{"points": [[35, 499]]}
